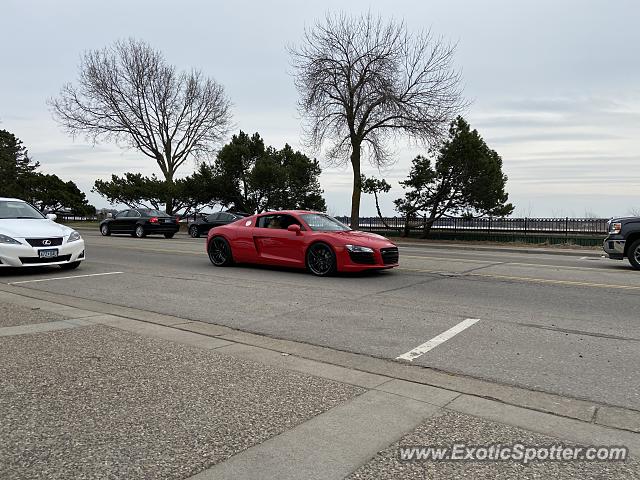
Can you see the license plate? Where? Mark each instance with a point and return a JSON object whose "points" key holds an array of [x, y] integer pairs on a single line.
{"points": [[49, 253], [168, 220]]}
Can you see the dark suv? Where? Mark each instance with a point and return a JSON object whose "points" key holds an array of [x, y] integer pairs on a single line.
{"points": [[624, 240]]}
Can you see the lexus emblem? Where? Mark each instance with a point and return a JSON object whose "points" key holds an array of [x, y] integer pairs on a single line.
{"points": [[46, 243]]}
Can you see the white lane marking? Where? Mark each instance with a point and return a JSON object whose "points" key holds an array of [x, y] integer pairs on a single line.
{"points": [[63, 278], [435, 341]]}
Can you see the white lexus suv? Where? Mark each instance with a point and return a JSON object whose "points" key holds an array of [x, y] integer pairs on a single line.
{"points": [[28, 238]]}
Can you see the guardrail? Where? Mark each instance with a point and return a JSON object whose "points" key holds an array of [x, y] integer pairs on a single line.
{"points": [[520, 226]]}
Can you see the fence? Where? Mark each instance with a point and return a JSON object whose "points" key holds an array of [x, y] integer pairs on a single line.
{"points": [[524, 226], [572, 226], [585, 231]]}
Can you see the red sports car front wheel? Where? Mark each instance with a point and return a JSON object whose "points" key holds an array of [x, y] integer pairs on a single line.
{"points": [[321, 260], [220, 252]]}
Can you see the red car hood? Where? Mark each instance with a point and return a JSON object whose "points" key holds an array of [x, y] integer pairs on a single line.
{"points": [[365, 239]]}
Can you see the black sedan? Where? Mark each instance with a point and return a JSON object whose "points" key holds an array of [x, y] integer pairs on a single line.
{"points": [[140, 222], [203, 225]]}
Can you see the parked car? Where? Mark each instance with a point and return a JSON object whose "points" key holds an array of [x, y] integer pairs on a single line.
{"points": [[202, 225], [623, 240], [28, 238], [300, 239], [141, 222]]}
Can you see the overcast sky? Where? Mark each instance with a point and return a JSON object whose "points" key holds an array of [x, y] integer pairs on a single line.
{"points": [[554, 85]]}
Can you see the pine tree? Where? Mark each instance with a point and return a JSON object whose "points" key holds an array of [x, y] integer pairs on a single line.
{"points": [[17, 171]]}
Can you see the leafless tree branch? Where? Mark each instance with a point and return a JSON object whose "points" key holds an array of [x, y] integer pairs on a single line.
{"points": [[127, 93], [362, 81]]}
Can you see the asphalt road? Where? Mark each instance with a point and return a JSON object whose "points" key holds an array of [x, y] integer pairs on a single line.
{"points": [[555, 323]]}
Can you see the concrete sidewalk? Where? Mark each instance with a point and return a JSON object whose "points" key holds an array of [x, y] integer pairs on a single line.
{"points": [[86, 394]]}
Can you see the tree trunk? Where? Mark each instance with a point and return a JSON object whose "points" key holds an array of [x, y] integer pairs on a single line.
{"points": [[384, 222], [427, 228], [375, 195], [429, 223], [357, 187], [407, 228], [170, 199]]}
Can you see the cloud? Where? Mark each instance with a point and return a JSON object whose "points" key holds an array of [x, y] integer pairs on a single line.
{"points": [[559, 104], [551, 136], [577, 111]]}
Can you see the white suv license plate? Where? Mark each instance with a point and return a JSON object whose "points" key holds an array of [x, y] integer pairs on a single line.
{"points": [[48, 253]]}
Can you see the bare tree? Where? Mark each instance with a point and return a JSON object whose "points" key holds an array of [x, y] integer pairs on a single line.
{"points": [[127, 93], [363, 81]]}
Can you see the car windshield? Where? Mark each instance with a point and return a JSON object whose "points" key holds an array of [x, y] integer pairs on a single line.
{"points": [[323, 223], [15, 209]]}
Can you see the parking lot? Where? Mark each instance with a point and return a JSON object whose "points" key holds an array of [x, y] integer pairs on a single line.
{"points": [[562, 324]]}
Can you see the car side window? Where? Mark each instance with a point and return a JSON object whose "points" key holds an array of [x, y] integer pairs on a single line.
{"points": [[265, 221], [133, 214], [226, 217], [122, 214], [280, 222], [287, 220], [213, 217]]}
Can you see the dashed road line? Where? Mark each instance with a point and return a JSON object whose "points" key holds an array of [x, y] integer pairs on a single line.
{"points": [[437, 340], [63, 278]]}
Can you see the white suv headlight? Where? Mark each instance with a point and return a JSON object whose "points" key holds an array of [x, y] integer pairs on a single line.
{"points": [[74, 237], [358, 248], [8, 240]]}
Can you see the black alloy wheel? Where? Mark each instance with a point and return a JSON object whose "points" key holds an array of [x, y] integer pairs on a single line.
{"points": [[634, 255], [321, 260], [220, 252]]}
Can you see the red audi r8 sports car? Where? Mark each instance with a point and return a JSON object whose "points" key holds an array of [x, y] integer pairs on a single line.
{"points": [[299, 238]]}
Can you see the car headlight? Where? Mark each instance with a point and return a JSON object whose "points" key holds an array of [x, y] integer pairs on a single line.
{"points": [[74, 237], [8, 240], [615, 228], [358, 248]]}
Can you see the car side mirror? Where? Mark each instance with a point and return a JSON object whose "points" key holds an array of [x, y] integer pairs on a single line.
{"points": [[294, 228], [52, 217]]}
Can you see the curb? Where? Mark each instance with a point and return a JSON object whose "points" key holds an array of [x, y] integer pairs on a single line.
{"points": [[356, 369]]}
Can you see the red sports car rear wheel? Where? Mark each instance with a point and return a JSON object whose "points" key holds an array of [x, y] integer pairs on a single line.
{"points": [[220, 252]]}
